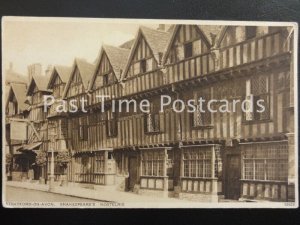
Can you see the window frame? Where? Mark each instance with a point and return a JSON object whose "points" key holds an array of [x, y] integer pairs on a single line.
{"points": [[262, 153], [83, 129], [199, 166], [256, 117], [188, 48], [152, 162], [206, 117], [111, 125]]}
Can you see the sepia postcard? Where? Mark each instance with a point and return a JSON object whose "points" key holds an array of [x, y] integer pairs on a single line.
{"points": [[136, 113]]}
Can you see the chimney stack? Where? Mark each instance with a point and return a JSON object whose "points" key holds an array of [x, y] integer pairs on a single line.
{"points": [[161, 27], [34, 70]]}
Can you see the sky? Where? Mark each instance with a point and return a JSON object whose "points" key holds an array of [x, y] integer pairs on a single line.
{"points": [[58, 41]]}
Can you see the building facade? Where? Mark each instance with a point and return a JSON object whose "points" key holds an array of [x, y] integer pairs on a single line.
{"points": [[200, 156]]}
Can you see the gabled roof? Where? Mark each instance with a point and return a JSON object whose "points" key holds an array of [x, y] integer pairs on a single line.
{"points": [[117, 57], [19, 90], [14, 77], [86, 71], [157, 41], [173, 35], [40, 81], [62, 71], [210, 30]]}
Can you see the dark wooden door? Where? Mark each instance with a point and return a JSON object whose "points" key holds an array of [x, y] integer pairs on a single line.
{"points": [[233, 176], [132, 173]]}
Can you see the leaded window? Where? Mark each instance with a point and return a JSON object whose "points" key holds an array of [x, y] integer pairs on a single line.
{"points": [[152, 162], [152, 121], [257, 87], [266, 162], [111, 124], [83, 129], [99, 162], [202, 116], [197, 162]]}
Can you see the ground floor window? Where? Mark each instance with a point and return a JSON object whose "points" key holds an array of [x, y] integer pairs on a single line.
{"points": [[267, 161], [99, 162], [197, 162], [153, 162]]}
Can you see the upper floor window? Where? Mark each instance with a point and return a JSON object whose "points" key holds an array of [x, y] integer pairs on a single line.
{"points": [[83, 129], [111, 124], [75, 89], [259, 88], [250, 32], [152, 120], [105, 79], [202, 116], [143, 66], [76, 86], [58, 90], [12, 108], [188, 50], [36, 97]]}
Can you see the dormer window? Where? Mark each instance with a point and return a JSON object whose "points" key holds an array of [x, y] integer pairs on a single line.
{"points": [[105, 79], [143, 65], [188, 50]]}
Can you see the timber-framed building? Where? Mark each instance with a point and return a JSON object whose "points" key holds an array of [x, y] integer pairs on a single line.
{"points": [[200, 156]]}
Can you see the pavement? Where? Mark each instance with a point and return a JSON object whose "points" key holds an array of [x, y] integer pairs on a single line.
{"points": [[99, 194], [22, 195]]}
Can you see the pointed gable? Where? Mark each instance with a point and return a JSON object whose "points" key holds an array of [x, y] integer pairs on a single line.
{"points": [[81, 74], [146, 52], [18, 92], [231, 35], [226, 37], [211, 32], [186, 41], [61, 73], [58, 80], [109, 66], [38, 83]]}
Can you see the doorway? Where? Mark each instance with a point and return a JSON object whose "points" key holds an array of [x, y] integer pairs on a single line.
{"points": [[233, 176]]}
